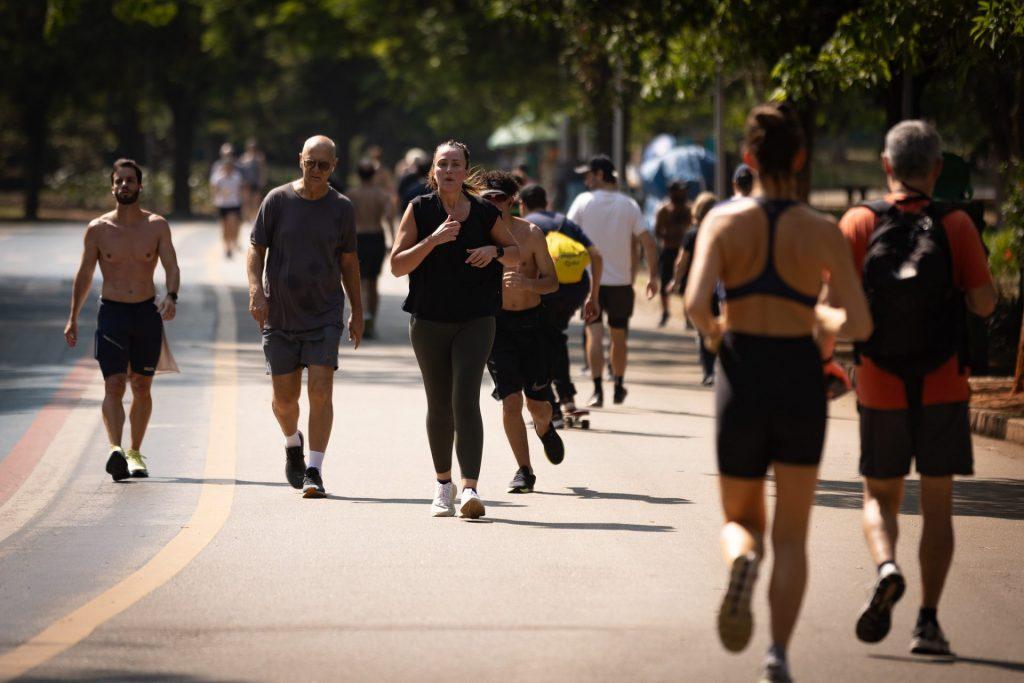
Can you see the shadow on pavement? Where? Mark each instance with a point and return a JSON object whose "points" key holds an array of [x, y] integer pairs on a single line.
{"points": [[578, 526], [587, 494], [120, 677], [217, 482], [956, 659], [413, 501], [620, 432], [997, 498]]}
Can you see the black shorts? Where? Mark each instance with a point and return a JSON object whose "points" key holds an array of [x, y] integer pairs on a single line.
{"points": [[370, 248], [769, 403], [617, 303], [287, 351], [128, 335], [226, 211], [667, 264], [520, 357], [941, 442]]}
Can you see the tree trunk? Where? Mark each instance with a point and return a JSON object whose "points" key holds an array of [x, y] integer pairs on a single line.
{"points": [[808, 113], [36, 126], [185, 114], [125, 123]]}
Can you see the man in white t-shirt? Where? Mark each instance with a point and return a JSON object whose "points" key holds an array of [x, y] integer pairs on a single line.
{"points": [[611, 220]]}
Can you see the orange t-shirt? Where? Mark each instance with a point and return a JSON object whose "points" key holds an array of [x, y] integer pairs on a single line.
{"points": [[877, 388]]}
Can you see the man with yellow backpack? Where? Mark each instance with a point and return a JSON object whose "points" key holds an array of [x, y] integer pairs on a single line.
{"points": [[572, 251]]}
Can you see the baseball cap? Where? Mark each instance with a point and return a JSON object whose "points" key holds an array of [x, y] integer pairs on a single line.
{"points": [[599, 162]]}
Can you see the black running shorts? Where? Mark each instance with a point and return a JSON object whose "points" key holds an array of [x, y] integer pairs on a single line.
{"points": [[769, 403], [940, 442], [667, 264], [128, 335], [371, 250], [520, 356], [287, 352], [617, 303]]}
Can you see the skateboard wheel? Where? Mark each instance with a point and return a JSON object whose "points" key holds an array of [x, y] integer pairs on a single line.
{"points": [[586, 424]]}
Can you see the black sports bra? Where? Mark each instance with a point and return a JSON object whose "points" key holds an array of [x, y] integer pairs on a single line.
{"points": [[769, 281]]}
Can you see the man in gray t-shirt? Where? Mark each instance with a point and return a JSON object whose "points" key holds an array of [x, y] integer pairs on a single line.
{"points": [[302, 253]]}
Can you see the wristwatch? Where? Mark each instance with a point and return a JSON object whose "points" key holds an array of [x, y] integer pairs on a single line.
{"points": [[173, 296], [501, 251]]}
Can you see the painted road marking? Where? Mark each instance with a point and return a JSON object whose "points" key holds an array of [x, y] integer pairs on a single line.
{"points": [[213, 509], [25, 455]]}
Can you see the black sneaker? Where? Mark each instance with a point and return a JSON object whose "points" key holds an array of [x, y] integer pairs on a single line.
{"points": [[928, 639], [876, 618], [117, 466], [523, 481], [313, 484], [553, 446], [295, 463], [664, 319], [620, 394], [597, 400]]}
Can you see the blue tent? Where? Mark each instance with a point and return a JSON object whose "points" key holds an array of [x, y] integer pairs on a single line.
{"points": [[690, 164]]}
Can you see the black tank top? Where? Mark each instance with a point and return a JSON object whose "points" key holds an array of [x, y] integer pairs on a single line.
{"points": [[444, 288], [769, 281]]}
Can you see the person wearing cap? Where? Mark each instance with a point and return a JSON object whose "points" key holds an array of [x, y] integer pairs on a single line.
{"points": [[742, 181], [612, 219], [520, 363], [562, 305]]}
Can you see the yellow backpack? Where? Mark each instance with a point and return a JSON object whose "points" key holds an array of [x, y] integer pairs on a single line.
{"points": [[571, 257]]}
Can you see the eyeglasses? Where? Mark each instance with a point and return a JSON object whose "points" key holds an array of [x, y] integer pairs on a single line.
{"points": [[324, 166]]}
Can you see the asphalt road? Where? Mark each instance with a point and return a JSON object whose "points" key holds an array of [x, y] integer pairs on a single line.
{"points": [[214, 569]]}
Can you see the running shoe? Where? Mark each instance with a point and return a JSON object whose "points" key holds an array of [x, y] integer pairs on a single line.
{"points": [[876, 617], [597, 400], [553, 446], [313, 484], [928, 639], [708, 381], [295, 463], [664, 319], [523, 481], [620, 394], [117, 465], [470, 505], [444, 500], [735, 620], [558, 421], [136, 463], [774, 671]]}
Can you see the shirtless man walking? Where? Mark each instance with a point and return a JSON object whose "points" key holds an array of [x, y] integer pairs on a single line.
{"points": [[519, 362], [126, 242]]}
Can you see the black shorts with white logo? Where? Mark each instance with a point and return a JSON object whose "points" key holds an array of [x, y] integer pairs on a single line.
{"points": [[520, 357], [128, 335], [940, 442]]}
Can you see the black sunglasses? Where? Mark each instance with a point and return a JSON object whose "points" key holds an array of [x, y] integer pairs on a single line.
{"points": [[495, 195], [324, 166]]}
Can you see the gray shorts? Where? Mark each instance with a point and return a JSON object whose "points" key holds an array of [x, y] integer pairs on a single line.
{"points": [[287, 351]]}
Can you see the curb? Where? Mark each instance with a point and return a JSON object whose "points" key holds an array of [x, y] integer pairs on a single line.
{"points": [[996, 425]]}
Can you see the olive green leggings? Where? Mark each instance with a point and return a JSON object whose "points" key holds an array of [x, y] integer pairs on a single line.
{"points": [[452, 357]]}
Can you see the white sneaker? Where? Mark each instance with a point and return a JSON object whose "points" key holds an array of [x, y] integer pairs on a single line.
{"points": [[471, 506], [444, 500]]}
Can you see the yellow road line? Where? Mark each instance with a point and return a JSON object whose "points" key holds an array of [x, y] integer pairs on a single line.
{"points": [[211, 512]]}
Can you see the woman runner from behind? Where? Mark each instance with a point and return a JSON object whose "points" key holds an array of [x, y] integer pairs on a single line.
{"points": [[771, 253], [447, 245]]}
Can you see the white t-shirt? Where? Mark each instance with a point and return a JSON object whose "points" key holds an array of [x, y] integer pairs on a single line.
{"points": [[227, 188], [610, 220]]}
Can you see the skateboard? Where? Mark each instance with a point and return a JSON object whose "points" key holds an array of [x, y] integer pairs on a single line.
{"points": [[577, 419]]}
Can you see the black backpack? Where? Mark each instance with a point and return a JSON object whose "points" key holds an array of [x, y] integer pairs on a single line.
{"points": [[919, 314]]}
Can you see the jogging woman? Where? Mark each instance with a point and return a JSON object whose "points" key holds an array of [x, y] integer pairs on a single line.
{"points": [[446, 246], [771, 253]]}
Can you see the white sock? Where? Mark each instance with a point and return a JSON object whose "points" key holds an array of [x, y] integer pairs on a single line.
{"points": [[293, 440], [316, 459]]}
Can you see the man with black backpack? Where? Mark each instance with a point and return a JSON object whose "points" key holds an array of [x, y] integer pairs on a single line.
{"points": [[923, 268], [573, 292]]}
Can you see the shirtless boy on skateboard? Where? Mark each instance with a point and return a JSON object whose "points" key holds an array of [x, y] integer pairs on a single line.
{"points": [[126, 242], [519, 362]]}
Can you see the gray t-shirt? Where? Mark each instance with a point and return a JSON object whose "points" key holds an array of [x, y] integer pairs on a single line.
{"points": [[304, 240]]}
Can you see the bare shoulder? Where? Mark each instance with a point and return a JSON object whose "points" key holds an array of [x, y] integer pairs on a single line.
{"points": [[816, 222], [155, 220], [726, 215]]}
